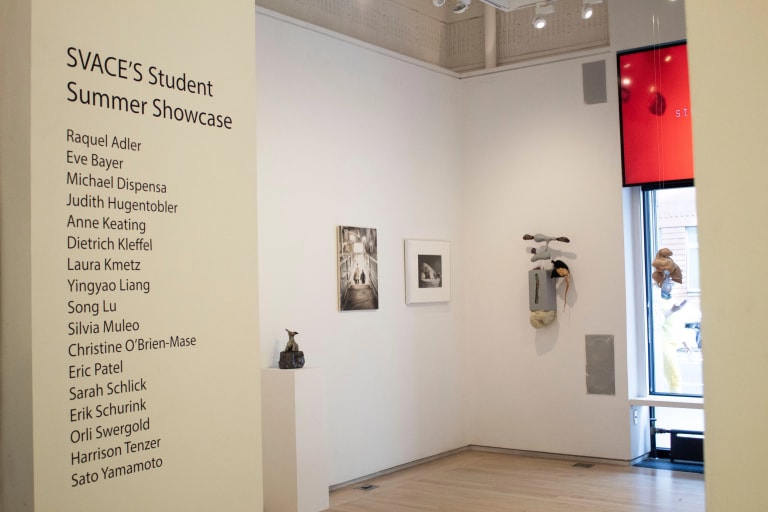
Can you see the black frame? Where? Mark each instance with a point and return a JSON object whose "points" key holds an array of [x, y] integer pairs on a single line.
{"points": [[649, 252], [650, 185]]}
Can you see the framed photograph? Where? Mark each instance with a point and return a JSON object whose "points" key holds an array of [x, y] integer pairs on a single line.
{"points": [[427, 271], [358, 268]]}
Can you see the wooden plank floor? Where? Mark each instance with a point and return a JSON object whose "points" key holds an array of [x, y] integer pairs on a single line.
{"points": [[479, 481]]}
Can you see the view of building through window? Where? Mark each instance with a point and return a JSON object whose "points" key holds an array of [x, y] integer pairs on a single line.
{"points": [[675, 362]]}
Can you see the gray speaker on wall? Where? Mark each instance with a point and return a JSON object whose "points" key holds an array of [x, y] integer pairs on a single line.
{"points": [[593, 78], [601, 374]]}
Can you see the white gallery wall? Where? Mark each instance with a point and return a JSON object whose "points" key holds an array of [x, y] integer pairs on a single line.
{"points": [[539, 160], [348, 136]]}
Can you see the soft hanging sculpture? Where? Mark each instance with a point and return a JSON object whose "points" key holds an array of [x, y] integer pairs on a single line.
{"points": [[664, 263], [542, 253], [542, 316], [560, 269]]}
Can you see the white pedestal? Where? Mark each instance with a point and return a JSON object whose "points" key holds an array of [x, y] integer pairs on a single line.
{"points": [[295, 451]]}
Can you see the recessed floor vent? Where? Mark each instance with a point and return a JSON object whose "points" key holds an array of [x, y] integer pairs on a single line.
{"points": [[368, 487]]}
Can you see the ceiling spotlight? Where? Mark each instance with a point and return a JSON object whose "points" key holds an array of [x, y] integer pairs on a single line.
{"points": [[461, 6], [588, 10], [438, 3], [542, 9]]}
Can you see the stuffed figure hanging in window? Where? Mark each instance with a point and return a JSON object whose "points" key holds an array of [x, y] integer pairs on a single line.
{"points": [[664, 266]]}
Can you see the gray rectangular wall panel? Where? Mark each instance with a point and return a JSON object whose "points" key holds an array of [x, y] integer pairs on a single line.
{"points": [[601, 371]]}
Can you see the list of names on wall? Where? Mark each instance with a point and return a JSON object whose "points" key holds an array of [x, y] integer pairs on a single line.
{"points": [[114, 198], [109, 245]]}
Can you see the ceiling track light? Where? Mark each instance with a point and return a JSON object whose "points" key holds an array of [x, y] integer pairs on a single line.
{"points": [[542, 9], [587, 9], [461, 6]]}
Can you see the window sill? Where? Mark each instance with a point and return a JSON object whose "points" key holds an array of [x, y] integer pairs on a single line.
{"points": [[681, 402]]}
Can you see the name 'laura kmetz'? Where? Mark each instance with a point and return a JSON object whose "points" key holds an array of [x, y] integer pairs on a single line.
{"points": [[108, 264]]}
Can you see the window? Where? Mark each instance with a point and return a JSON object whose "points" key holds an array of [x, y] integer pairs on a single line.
{"points": [[674, 318]]}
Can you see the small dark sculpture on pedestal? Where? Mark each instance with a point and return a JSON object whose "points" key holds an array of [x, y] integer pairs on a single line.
{"points": [[291, 357]]}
